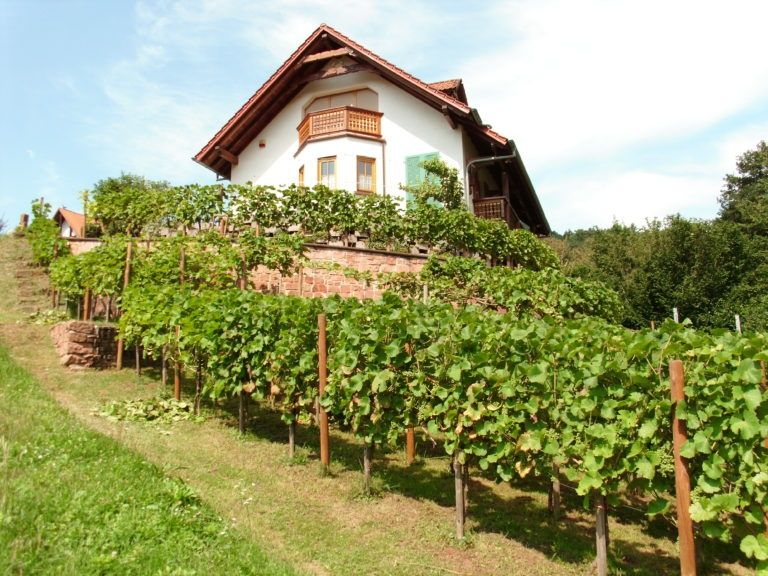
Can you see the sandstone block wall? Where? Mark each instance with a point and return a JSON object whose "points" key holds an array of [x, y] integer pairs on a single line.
{"points": [[85, 344], [319, 278]]}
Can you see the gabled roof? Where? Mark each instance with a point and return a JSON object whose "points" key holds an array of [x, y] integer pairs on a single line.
{"points": [[296, 72], [75, 220], [454, 88], [305, 65]]}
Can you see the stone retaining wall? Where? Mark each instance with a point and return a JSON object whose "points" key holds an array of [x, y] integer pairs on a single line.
{"points": [[318, 278], [85, 344]]}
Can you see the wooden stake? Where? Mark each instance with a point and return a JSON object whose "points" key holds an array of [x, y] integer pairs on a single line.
{"points": [[367, 459], [554, 495], [765, 443], [682, 479], [138, 360], [126, 281], [241, 413], [87, 304], [601, 535], [410, 445], [458, 476], [182, 264], [198, 386], [301, 281], [292, 438], [177, 380], [322, 352], [164, 366]]}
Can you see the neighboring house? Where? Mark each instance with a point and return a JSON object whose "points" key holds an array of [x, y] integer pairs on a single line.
{"points": [[337, 114], [71, 224]]}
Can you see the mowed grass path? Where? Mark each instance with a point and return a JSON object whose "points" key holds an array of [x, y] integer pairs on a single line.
{"points": [[73, 501]]}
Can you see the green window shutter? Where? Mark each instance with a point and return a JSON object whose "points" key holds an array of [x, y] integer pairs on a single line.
{"points": [[415, 173]]}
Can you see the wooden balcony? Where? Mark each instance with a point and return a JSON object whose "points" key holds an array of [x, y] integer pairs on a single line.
{"points": [[339, 121], [495, 208]]}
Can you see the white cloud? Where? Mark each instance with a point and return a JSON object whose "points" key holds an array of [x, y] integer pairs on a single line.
{"points": [[577, 79], [735, 144], [631, 197]]}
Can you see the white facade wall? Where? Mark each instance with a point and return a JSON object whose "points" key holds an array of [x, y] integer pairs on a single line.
{"points": [[408, 126]]}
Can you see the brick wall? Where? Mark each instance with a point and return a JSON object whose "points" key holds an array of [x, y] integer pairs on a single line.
{"points": [[319, 280]]}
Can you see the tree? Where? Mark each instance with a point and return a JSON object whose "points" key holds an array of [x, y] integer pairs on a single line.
{"points": [[744, 199], [744, 206], [2, 225], [130, 204]]}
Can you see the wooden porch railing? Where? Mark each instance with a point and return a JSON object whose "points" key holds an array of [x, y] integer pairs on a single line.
{"points": [[345, 119], [495, 208]]}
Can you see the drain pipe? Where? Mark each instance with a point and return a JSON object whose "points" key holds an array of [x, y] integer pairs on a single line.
{"points": [[483, 160]]}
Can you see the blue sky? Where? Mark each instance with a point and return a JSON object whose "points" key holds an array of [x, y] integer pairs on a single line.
{"points": [[622, 110]]}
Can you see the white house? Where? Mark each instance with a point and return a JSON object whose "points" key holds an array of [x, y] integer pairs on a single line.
{"points": [[336, 113], [71, 224]]}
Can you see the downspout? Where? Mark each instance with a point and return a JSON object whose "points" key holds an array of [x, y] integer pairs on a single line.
{"points": [[484, 160], [383, 167]]}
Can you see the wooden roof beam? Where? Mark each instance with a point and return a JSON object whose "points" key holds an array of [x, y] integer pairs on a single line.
{"points": [[227, 155], [328, 54]]}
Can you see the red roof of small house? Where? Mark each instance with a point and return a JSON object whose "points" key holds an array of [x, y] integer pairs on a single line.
{"points": [[454, 88], [75, 220], [305, 65]]}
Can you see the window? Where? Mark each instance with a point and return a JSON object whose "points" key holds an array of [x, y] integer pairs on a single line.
{"points": [[326, 171], [366, 175], [365, 98], [415, 173], [301, 175]]}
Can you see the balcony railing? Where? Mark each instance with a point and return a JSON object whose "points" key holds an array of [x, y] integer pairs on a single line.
{"points": [[344, 120], [495, 208]]}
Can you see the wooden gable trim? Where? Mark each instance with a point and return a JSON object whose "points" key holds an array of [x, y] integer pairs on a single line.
{"points": [[327, 55]]}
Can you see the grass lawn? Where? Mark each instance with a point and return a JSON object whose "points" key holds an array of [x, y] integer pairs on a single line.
{"points": [[74, 501], [315, 523]]}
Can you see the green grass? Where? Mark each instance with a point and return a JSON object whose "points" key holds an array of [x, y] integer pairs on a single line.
{"points": [[76, 502]]}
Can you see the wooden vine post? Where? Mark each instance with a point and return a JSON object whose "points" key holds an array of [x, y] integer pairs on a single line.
{"points": [[322, 366], [126, 280], [53, 290], [458, 476], [87, 305], [682, 479], [554, 498], [410, 434], [177, 363], [241, 409], [367, 465], [765, 442], [601, 534], [410, 445]]}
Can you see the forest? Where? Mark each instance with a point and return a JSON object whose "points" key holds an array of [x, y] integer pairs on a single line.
{"points": [[710, 270]]}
